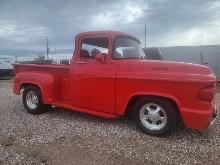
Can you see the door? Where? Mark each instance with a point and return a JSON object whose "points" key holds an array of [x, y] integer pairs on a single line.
{"points": [[94, 81]]}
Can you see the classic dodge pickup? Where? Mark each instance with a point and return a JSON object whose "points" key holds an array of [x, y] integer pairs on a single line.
{"points": [[110, 76]]}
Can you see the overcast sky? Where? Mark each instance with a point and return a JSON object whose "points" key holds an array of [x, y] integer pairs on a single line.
{"points": [[27, 23]]}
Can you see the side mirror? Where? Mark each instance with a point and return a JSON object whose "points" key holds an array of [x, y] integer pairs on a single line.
{"points": [[101, 57]]}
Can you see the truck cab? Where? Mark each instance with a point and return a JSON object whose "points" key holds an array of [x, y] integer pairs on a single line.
{"points": [[109, 76]]}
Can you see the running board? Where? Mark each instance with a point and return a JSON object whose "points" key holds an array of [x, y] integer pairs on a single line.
{"points": [[67, 105]]}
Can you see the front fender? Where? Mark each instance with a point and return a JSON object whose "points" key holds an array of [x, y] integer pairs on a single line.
{"points": [[123, 108], [46, 82]]}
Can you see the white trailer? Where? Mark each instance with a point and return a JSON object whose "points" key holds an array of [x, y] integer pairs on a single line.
{"points": [[208, 55], [6, 67]]}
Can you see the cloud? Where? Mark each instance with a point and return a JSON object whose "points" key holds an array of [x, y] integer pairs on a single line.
{"points": [[204, 35], [27, 24], [127, 14]]}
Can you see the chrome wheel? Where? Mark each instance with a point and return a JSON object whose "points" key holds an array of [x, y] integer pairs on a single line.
{"points": [[32, 100], [153, 116]]}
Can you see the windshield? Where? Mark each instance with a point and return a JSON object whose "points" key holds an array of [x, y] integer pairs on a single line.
{"points": [[127, 48]]}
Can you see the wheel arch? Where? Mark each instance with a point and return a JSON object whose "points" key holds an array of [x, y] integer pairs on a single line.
{"points": [[134, 98], [24, 85]]}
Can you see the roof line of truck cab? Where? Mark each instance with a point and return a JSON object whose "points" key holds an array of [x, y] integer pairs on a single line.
{"points": [[112, 34]]}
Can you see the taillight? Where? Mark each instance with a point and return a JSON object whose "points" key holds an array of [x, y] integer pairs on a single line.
{"points": [[207, 93]]}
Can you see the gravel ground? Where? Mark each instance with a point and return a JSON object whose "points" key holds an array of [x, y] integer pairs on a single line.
{"points": [[64, 137]]}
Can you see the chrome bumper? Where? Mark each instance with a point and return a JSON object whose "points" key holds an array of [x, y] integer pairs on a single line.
{"points": [[214, 115]]}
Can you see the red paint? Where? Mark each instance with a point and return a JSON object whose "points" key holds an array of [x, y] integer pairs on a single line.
{"points": [[105, 87]]}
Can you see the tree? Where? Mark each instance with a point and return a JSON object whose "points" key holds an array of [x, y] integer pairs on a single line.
{"points": [[40, 58]]}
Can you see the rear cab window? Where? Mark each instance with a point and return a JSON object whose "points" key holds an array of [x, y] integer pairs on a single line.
{"points": [[91, 46]]}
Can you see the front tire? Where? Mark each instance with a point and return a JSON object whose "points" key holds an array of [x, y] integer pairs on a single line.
{"points": [[155, 116], [32, 100]]}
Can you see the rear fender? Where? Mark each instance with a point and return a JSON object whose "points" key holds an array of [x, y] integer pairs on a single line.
{"points": [[44, 81]]}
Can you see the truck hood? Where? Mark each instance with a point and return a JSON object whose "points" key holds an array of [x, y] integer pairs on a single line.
{"points": [[169, 67]]}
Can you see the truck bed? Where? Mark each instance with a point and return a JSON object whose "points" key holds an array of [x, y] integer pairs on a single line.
{"points": [[18, 67], [58, 72]]}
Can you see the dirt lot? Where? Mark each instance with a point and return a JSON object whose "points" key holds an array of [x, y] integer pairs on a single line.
{"points": [[65, 137]]}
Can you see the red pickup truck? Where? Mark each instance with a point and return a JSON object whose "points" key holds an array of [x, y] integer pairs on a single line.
{"points": [[109, 76]]}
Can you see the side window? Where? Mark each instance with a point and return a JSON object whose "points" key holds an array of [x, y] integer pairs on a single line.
{"points": [[91, 46]]}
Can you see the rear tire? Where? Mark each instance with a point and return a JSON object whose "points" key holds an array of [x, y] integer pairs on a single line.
{"points": [[32, 100], [155, 116]]}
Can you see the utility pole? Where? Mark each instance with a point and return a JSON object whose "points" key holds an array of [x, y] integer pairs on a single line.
{"points": [[16, 59], [201, 56], [145, 35], [48, 49]]}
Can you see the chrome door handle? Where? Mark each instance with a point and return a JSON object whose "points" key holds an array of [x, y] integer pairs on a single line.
{"points": [[81, 62]]}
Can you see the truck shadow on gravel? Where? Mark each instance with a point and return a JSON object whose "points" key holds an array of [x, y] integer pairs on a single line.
{"points": [[127, 123]]}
